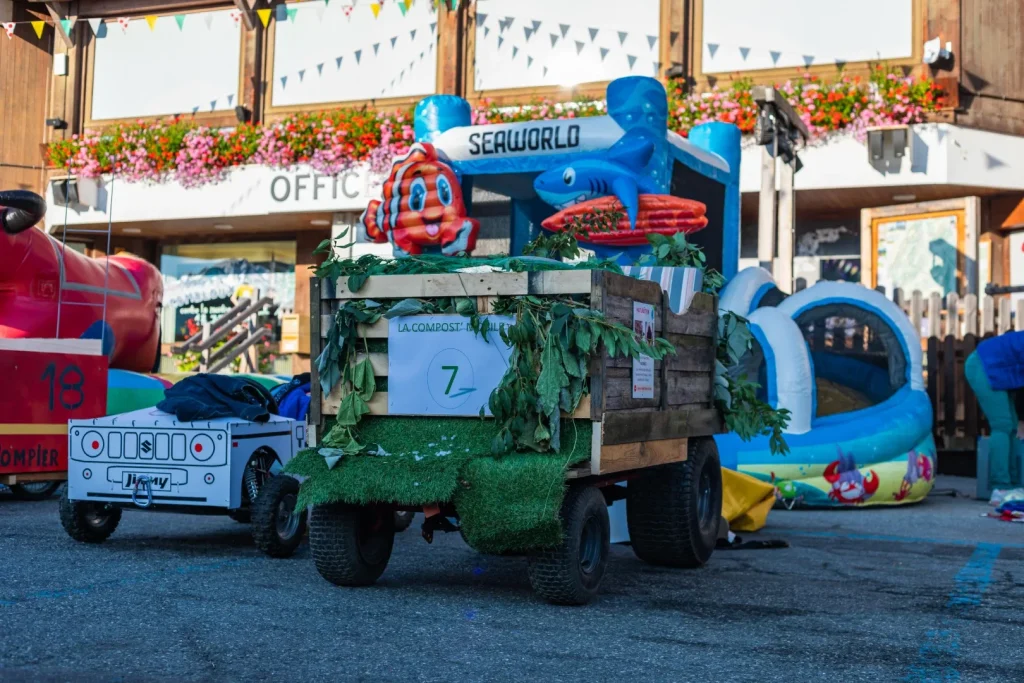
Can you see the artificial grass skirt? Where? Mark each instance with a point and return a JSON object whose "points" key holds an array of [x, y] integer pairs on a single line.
{"points": [[508, 502]]}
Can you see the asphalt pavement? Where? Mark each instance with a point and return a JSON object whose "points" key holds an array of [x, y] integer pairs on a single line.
{"points": [[932, 592]]}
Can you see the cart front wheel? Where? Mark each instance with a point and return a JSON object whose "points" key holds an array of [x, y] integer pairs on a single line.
{"points": [[277, 527], [351, 544], [403, 519], [571, 573], [88, 522], [673, 511], [35, 490]]}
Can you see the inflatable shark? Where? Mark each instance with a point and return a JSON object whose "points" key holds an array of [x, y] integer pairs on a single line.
{"points": [[617, 171]]}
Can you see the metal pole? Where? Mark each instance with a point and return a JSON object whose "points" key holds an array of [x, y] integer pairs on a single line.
{"points": [[786, 222], [766, 212]]}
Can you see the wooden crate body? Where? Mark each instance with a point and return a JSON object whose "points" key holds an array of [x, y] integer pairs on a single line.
{"points": [[629, 433]]}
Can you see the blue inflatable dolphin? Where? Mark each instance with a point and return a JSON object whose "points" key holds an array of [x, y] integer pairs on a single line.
{"points": [[618, 171]]}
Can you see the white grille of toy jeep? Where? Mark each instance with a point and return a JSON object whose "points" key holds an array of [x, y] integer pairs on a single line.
{"points": [[189, 448]]}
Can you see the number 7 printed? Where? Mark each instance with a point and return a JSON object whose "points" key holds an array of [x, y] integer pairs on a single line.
{"points": [[455, 371]]}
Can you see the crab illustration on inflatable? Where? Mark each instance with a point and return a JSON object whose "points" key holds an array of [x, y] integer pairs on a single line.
{"points": [[421, 207], [46, 289]]}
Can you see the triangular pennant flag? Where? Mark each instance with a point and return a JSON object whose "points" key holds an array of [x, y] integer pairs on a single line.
{"points": [[231, 100], [151, 20], [376, 48], [632, 61], [412, 34], [337, 62], [208, 19], [545, 71], [320, 12], [403, 9], [37, 26], [453, 5], [564, 28], [394, 39], [264, 15], [536, 24], [487, 31], [213, 104], [744, 51], [840, 64], [9, 27], [282, 13], [95, 24], [651, 41], [712, 49], [528, 32], [593, 33], [320, 68], [622, 37], [529, 61], [292, 12], [195, 110], [421, 56], [123, 23], [808, 60], [501, 40], [408, 4], [775, 56], [180, 20], [433, 27], [401, 74], [284, 82], [508, 22], [657, 69], [412, 64], [236, 17], [673, 36], [480, 18], [554, 39], [67, 25], [604, 53], [579, 46], [327, 3], [346, 10], [302, 75], [392, 83], [515, 51], [358, 53], [375, 8]]}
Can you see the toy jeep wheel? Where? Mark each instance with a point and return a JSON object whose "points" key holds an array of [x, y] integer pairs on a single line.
{"points": [[351, 544], [571, 573], [277, 527], [36, 490], [403, 519], [673, 511], [88, 522]]}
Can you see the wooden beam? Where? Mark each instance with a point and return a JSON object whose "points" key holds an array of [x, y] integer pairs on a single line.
{"points": [[245, 7], [59, 11]]}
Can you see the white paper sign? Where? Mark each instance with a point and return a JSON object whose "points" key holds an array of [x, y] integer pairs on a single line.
{"points": [[437, 365], [643, 367]]}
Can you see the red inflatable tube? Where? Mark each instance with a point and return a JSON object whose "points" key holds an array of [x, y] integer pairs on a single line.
{"points": [[658, 213], [32, 278]]}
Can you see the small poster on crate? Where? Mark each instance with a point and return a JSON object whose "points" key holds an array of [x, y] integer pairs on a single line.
{"points": [[643, 367]]}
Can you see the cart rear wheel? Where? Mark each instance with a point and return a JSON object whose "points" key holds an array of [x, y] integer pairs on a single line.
{"points": [[673, 511], [571, 573], [277, 527], [403, 519], [351, 544], [36, 490], [88, 522]]}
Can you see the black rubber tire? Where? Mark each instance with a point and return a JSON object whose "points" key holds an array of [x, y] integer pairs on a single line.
{"points": [[277, 528], [668, 523], [403, 519], [351, 544], [241, 515], [35, 492], [88, 522], [571, 573]]}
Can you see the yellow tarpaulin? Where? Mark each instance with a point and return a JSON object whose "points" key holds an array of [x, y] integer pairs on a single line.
{"points": [[745, 501]]}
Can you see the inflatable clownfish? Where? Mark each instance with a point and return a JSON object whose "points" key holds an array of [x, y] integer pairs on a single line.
{"points": [[421, 207]]}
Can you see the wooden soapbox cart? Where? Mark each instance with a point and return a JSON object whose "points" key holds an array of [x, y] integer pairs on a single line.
{"points": [[662, 446]]}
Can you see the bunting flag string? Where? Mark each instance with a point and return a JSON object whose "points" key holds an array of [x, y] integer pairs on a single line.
{"points": [[745, 52]]}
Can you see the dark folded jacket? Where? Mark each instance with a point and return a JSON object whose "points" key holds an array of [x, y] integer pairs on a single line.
{"points": [[205, 397]]}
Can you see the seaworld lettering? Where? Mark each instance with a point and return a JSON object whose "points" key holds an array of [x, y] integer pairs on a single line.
{"points": [[537, 139]]}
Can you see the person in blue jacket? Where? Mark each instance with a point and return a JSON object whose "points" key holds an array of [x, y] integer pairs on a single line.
{"points": [[995, 372]]}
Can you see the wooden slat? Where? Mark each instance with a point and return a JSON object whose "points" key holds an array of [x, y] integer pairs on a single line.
{"points": [[1004, 315], [700, 324], [687, 388], [618, 391], [379, 361], [933, 379], [632, 456], [949, 395], [970, 402], [379, 405], [434, 286], [934, 315], [560, 282], [631, 426]]}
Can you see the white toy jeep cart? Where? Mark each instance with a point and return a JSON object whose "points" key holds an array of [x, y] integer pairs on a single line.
{"points": [[148, 460]]}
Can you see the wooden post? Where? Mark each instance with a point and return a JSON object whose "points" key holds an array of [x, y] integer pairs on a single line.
{"points": [[766, 213], [1004, 315], [988, 314], [916, 309], [953, 316], [787, 226], [970, 314], [1018, 323], [934, 315]]}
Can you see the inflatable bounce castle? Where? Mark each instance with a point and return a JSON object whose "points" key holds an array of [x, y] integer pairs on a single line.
{"points": [[860, 429]]}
